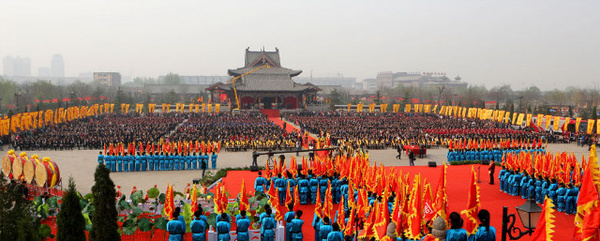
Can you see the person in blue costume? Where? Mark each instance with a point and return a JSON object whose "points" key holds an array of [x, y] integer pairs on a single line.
{"points": [[180, 218], [243, 224], [545, 188], [144, 161], [204, 157], [552, 191], [119, 162], [100, 158], [316, 224], [502, 178], [280, 183], [175, 228], [485, 232], [198, 227], [176, 162], [515, 184], [288, 217], [335, 235], [523, 186], [291, 181], [213, 160], [335, 188], [456, 232], [538, 191], [259, 182], [131, 161], [267, 226], [304, 189], [531, 187], [325, 228], [151, 162], [314, 187], [571, 200], [138, 162], [323, 183], [296, 229], [223, 228], [194, 161]]}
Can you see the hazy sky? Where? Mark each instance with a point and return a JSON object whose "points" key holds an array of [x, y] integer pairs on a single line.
{"points": [[551, 44]]}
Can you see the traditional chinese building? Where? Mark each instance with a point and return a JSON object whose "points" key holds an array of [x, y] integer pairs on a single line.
{"points": [[269, 88]]}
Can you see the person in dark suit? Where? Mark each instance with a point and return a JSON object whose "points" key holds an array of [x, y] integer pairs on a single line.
{"points": [[491, 170]]}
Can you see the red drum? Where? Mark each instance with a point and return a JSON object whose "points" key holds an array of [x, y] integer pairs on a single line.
{"points": [[7, 162], [17, 167], [47, 174], [29, 170]]}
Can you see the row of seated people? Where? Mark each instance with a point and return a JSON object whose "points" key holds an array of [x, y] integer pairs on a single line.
{"points": [[564, 196], [262, 145], [483, 154], [158, 161]]}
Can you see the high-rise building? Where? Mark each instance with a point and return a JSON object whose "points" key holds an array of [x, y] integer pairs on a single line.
{"points": [[107, 78], [44, 72], [17, 66], [58, 66]]}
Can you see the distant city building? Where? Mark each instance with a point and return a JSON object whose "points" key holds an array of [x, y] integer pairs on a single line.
{"points": [[107, 78], [369, 84], [389, 79], [44, 72], [58, 66], [17, 66]]}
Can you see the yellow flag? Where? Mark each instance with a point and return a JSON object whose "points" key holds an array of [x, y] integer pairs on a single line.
{"points": [[598, 127], [556, 121], [520, 119], [590, 126], [539, 120], [577, 122], [507, 117], [217, 108], [548, 118], [349, 106], [407, 108], [567, 120], [528, 120]]}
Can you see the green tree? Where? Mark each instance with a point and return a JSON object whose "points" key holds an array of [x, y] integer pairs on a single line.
{"points": [[17, 221], [104, 220], [172, 79], [335, 99], [69, 221]]}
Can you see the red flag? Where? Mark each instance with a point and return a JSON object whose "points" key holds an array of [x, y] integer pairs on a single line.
{"points": [[194, 199], [440, 207], [587, 219], [383, 218], [288, 195], [244, 197], [328, 205], [318, 205], [296, 199], [472, 204], [341, 214], [169, 206], [428, 212], [544, 229], [415, 218]]}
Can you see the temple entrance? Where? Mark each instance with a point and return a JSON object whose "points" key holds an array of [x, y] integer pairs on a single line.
{"points": [[247, 102], [290, 102], [271, 102]]}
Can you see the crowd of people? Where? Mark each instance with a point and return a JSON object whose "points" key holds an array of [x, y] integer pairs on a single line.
{"points": [[383, 130], [94, 132], [158, 161], [538, 175]]}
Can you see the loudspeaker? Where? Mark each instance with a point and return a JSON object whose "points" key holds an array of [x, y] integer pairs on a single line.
{"points": [[196, 181], [432, 164], [253, 168]]}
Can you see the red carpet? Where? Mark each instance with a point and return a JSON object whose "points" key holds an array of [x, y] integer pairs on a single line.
{"points": [[275, 118], [491, 198]]}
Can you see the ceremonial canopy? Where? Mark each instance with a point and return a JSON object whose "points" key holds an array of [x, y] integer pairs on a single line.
{"points": [[269, 88]]}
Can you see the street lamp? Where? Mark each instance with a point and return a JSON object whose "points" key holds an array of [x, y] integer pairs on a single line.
{"points": [[529, 214]]}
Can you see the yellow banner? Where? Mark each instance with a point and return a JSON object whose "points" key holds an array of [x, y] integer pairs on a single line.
{"points": [[209, 108], [434, 109], [427, 108], [556, 122], [598, 127], [590, 126], [349, 106], [359, 107], [539, 120], [407, 108], [548, 118], [514, 119], [520, 119], [217, 108], [507, 117], [567, 120], [577, 122], [529, 116]]}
